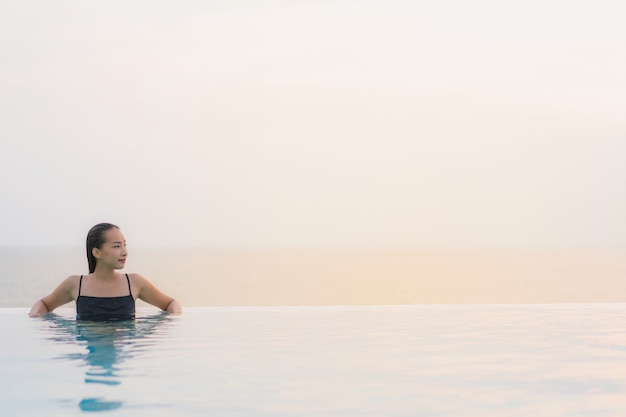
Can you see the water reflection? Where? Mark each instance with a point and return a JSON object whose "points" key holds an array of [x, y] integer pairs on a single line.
{"points": [[108, 345]]}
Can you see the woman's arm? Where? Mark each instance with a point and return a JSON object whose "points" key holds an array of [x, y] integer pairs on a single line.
{"points": [[62, 294], [174, 307], [149, 293], [38, 309]]}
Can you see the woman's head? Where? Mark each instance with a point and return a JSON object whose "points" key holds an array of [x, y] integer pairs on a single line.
{"points": [[96, 238]]}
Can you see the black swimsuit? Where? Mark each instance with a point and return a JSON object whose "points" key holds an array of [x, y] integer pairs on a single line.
{"points": [[105, 308]]}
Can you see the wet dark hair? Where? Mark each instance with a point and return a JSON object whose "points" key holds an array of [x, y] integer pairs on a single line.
{"points": [[95, 239]]}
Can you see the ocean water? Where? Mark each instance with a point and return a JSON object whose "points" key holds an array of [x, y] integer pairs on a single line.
{"points": [[203, 277], [414, 360]]}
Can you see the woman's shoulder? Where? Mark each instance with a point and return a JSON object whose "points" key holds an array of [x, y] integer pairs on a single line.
{"points": [[138, 282], [136, 278], [71, 282], [73, 278]]}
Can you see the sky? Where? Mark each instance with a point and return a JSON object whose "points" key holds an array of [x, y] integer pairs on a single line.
{"points": [[391, 124]]}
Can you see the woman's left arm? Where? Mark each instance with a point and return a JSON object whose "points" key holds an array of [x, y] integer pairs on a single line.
{"points": [[149, 293]]}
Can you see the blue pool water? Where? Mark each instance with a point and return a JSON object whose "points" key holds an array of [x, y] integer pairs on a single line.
{"points": [[423, 360]]}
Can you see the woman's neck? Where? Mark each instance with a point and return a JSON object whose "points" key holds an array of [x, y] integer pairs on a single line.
{"points": [[104, 273]]}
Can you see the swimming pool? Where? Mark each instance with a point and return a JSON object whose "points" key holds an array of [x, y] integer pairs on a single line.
{"points": [[420, 360]]}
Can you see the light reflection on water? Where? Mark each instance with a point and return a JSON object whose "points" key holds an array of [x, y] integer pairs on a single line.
{"points": [[427, 360], [108, 345]]}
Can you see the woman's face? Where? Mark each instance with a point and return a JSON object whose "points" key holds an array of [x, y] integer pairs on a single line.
{"points": [[113, 252]]}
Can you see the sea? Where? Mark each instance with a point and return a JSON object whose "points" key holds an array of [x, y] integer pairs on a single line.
{"points": [[407, 358]]}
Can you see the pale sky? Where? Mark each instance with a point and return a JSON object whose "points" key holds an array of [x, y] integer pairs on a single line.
{"points": [[448, 124]]}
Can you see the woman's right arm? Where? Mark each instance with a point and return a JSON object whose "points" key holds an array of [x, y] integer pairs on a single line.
{"points": [[62, 294]]}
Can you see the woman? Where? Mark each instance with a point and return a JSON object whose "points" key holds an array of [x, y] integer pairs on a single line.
{"points": [[105, 294]]}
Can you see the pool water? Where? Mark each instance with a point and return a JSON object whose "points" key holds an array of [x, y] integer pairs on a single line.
{"points": [[420, 360]]}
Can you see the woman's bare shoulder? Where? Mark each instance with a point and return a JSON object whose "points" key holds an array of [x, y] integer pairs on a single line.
{"points": [[137, 279], [63, 293], [139, 283], [71, 281], [73, 278]]}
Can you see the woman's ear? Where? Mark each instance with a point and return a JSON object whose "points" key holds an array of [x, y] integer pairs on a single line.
{"points": [[95, 252]]}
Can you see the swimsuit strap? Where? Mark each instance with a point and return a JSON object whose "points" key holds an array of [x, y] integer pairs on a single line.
{"points": [[129, 290], [80, 283]]}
